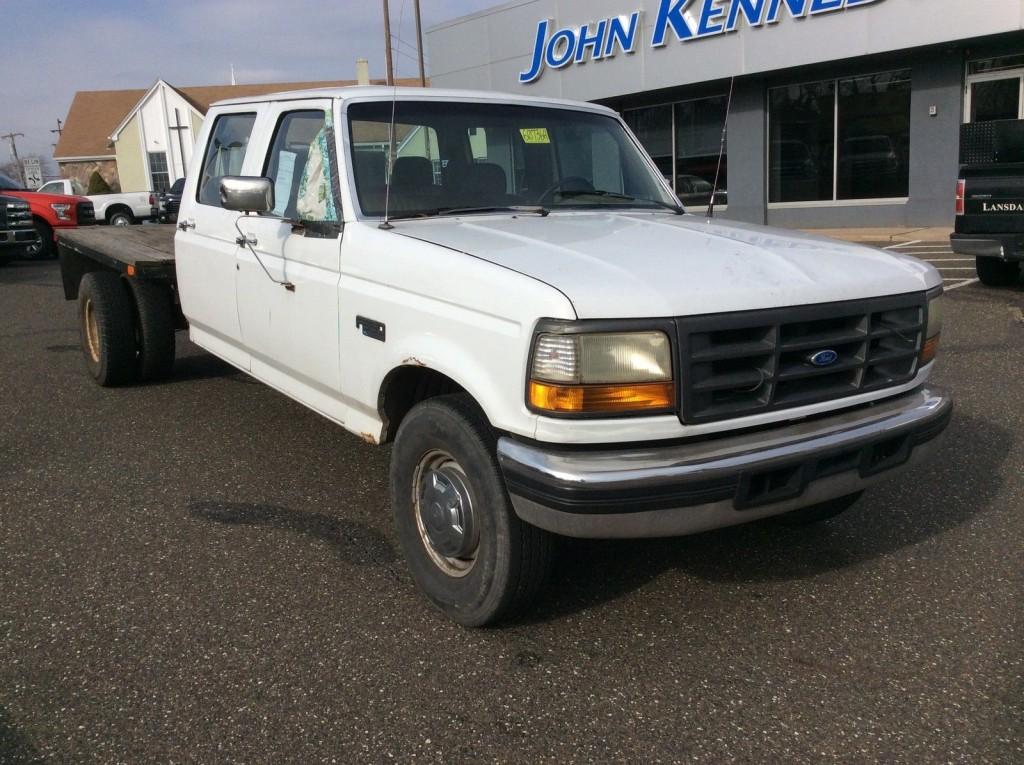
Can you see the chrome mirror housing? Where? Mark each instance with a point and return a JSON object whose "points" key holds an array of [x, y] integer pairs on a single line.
{"points": [[247, 194]]}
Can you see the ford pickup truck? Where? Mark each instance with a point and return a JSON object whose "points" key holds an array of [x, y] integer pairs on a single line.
{"points": [[115, 209], [50, 213], [506, 290], [16, 231], [990, 201]]}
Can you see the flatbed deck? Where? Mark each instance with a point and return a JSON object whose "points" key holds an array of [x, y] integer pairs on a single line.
{"points": [[146, 251]]}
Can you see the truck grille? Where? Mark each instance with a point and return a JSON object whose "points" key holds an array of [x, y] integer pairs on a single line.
{"points": [[15, 215], [740, 364], [86, 214]]}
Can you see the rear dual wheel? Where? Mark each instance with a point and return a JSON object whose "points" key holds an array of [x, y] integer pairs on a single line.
{"points": [[127, 331], [467, 550], [994, 272]]}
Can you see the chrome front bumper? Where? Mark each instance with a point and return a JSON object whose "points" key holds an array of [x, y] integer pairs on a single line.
{"points": [[655, 491]]}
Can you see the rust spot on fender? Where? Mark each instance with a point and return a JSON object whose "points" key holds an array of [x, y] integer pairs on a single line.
{"points": [[412, 361], [369, 438]]}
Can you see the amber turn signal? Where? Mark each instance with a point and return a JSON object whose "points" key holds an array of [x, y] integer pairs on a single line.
{"points": [[602, 399], [930, 350]]}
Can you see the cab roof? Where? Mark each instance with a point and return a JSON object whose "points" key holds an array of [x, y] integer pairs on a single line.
{"points": [[386, 93]]}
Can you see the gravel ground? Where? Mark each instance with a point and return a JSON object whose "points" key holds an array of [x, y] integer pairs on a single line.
{"points": [[204, 571]]}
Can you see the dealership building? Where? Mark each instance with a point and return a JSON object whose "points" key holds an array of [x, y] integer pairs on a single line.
{"points": [[840, 112]]}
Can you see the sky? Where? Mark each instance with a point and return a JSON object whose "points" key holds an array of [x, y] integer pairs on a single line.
{"points": [[54, 48]]}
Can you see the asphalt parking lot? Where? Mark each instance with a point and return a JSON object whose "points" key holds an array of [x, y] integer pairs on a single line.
{"points": [[204, 571]]}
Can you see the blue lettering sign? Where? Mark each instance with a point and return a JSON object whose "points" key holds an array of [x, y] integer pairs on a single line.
{"points": [[753, 10], [688, 20], [670, 14]]}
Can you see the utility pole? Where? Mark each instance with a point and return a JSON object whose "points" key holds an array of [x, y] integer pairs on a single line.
{"points": [[12, 137], [387, 43], [419, 43], [60, 129]]}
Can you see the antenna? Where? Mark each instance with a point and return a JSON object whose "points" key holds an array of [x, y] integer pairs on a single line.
{"points": [[721, 150], [386, 225]]}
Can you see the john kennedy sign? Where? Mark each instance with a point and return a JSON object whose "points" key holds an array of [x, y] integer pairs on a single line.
{"points": [[685, 20]]}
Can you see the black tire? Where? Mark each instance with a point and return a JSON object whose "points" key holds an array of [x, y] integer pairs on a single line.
{"points": [[994, 272], [107, 322], [806, 516], [154, 317], [512, 559], [120, 218], [45, 248]]}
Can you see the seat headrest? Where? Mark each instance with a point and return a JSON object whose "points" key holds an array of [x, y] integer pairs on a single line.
{"points": [[489, 178], [413, 173]]}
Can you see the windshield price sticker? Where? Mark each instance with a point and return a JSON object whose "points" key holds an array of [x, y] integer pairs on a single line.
{"points": [[535, 135]]}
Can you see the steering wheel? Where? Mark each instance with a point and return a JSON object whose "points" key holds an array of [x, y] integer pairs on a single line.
{"points": [[573, 182]]}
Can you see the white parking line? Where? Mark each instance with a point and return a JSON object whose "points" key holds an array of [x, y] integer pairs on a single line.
{"points": [[949, 260], [962, 284], [903, 244], [957, 268]]}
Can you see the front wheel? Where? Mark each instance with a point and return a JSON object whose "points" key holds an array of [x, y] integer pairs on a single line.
{"points": [[994, 272], [44, 247], [467, 550]]}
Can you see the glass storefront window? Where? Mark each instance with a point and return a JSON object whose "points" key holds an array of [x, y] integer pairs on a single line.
{"points": [[698, 143], [690, 161], [801, 135], [812, 157], [874, 136]]}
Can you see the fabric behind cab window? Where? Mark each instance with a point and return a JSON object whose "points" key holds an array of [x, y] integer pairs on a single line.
{"points": [[302, 167], [224, 154]]}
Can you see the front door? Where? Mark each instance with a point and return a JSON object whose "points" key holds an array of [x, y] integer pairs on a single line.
{"points": [[205, 246], [287, 286]]}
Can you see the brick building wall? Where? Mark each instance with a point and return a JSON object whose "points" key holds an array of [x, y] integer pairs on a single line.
{"points": [[82, 172]]}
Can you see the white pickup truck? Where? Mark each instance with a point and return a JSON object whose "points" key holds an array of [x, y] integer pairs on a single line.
{"points": [[122, 209], [507, 290]]}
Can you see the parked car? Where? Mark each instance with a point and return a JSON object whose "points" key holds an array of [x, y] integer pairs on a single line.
{"points": [[164, 204], [122, 209], [693, 191], [50, 213], [16, 230], [990, 207], [553, 347]]}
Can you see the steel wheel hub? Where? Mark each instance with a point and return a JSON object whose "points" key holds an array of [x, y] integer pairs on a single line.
{"points": [[444, 514]]}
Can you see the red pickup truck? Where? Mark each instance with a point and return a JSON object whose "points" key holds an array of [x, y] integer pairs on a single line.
{"points": [[50, 212]]}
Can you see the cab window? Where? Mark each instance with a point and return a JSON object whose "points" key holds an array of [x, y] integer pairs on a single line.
{"points": [[225, 154], [303, 166]]}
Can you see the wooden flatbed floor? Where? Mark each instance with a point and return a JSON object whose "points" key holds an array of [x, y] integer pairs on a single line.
{"points": [[148, 249]]}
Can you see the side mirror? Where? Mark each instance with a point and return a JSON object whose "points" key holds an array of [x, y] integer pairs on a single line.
{"points": [[246, 194]]}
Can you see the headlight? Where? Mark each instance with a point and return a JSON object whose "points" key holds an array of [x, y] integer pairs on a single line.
{"points": [[933, 331], [63, 210], [602, 373]]}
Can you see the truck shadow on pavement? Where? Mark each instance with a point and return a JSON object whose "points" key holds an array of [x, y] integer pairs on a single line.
{"points": [[354, 542], [15, 746], [963, 479]]}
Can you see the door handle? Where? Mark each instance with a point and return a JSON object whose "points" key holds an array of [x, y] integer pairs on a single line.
{"points": [[246, 239], [187, 224]]}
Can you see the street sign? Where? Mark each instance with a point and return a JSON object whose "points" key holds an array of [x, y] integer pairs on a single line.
{"points": [[33, 173]]}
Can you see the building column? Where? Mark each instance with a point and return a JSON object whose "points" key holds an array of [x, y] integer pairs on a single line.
{"points": [[937, 81], [748, 141]]}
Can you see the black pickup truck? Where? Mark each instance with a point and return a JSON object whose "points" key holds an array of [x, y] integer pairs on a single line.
{"points": [[16, 229], [990, 200]]}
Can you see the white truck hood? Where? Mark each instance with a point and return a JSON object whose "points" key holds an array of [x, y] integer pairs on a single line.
{"points": [[632, 265]]}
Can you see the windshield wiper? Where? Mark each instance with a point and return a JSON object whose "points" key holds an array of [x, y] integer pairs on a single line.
{"points": [[521, 209], [678, 210]]}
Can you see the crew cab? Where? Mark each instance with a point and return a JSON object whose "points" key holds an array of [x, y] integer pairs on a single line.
{"points": [[50, 213], [506, 289], [115, 209], [16, 230], [990, 202]]}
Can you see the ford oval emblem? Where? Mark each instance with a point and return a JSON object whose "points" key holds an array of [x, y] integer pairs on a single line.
{"points": [[824, 358]]}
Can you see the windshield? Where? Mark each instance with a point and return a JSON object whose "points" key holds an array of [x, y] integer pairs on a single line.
{"points": [[453, 157], [9, 183], [178, 186]]}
